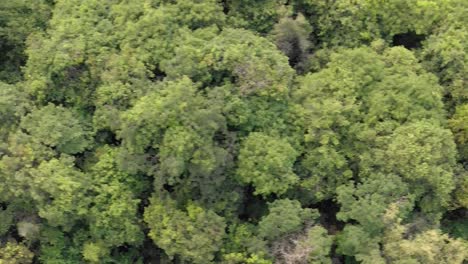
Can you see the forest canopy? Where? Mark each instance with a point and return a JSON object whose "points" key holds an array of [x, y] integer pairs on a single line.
{"points": [[234, 131]]}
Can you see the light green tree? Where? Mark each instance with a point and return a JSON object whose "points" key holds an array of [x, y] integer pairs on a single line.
{"points": [[14, 253], [193, 234], [58, 190], [267, 163]]}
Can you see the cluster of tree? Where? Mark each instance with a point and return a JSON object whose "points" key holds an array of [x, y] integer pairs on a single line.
{"points": [[234, 131]]}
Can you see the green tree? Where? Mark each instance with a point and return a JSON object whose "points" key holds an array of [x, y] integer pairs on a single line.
{"points": [[147, 33], [22, 153], [354, 241], [94, 252], [238, 258], [193, 234], [113, 217], [244, 244], [423, 155], [368, 201], [344, 109], [267, 163], [321, 244], [13, 105], [257, 16], [284, 217], [252, 62], [58, 190], [445, 54], [461, 191], [6, 220], [65, 61], [171, 133], [353, 23], [57, 246], [246, 72], [325, 110], [459, 126], [19, 19], [58, 127], [430, 246]]}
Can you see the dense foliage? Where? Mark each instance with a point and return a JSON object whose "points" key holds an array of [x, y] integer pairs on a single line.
{"points": [[234, 131]]}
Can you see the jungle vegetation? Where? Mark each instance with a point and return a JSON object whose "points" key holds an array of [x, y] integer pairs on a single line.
{"points": [[234, 131]]}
